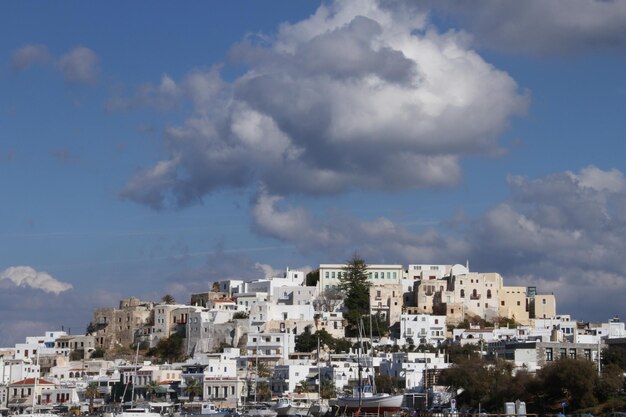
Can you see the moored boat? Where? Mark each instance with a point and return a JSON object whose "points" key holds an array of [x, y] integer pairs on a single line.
{"points": [[366, 401], [260, 410], [136, 412], [291, 406]]}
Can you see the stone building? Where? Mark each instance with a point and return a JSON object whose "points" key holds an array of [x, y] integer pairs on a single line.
{"points": [[118, 327]]}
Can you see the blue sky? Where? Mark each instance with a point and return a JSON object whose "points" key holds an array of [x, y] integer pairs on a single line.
{"points": [[149, 148]]}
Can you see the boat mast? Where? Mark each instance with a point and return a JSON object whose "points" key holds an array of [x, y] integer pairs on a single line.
{"points": [[132, 391], [35, 381], [372, 356], [319, 375], [256, 376], [359, 365]]}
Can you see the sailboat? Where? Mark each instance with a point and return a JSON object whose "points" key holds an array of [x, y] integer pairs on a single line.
{"points": [[320, 407], [364, 399], [135, 411]]}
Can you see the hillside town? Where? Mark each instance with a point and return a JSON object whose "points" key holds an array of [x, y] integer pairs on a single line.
{"points": [[292, 336]]}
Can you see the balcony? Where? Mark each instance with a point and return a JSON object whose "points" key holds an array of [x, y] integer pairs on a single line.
{"points": [[474, 297]]}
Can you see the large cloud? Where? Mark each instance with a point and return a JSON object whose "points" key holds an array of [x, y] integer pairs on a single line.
{"points": [[564, 233], [339, 235], [352, 97], [537, 26], [25, 276]]}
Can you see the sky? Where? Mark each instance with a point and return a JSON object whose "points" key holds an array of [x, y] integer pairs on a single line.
{"points": [[152, 148]]}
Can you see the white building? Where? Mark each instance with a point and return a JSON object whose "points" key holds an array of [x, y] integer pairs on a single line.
{"points": [[414, 367], [425, 329], [378, 275], [13, 370], [286, 378], [271, 348]]}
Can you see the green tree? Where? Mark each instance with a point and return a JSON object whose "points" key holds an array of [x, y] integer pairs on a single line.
{"points": [[263, 391], [98, 353], [342, 345], [354, 283], [304, 386], [152, 389], [570, 380], [380, 327], [91, 392], [611, 381], [168, 299], [472, 377], [263, 370], [193, 387], [312, 278], [328, 389], [170, 349], [307, 341], [386, 384], [616, 355]]}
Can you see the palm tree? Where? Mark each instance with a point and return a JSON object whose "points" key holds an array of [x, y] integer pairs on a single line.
{"points": [[91, 392], [304, 387], [263, 371], [168, 299], [152, 388], [193, 388], [328, 389]]}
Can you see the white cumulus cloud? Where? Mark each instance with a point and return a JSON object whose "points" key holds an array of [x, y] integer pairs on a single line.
{"points": [[354, 97], [25, 276], [564, 233]]}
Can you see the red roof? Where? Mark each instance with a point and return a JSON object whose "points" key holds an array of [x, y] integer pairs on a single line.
{"points": [[31, 381]]}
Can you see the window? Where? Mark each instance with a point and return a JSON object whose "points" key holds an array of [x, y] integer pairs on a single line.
{"points": [[333, 274], [395, 275], [519, 303], [572, 353], [587, 353], [463, 294], [563, 353], [543, 301], [502, 302], [488, 293], [549, 355]]}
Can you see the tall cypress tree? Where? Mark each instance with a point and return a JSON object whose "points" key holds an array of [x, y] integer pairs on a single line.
{"points": [[354, 283]]}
